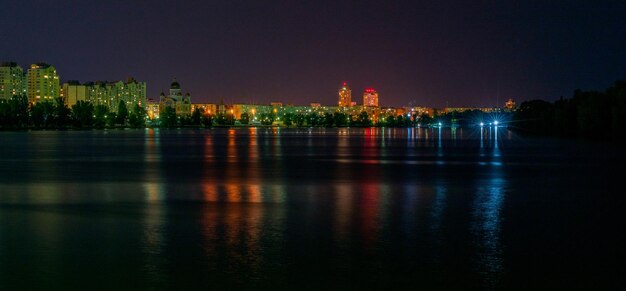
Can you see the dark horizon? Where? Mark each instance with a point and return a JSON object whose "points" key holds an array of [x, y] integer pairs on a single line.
{"points": [[426, 54]]}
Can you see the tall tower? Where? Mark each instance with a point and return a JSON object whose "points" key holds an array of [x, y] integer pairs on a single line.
{"points": [[370, 98], [345, 96], [43, 83], [12, 80]]}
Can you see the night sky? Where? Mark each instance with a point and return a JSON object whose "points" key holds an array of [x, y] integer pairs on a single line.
{"points": [[435, 53]]}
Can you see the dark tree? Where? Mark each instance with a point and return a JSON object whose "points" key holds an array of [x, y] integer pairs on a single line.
{"points": [[82, 114], [288, 119], [14, 112], [122, 113], [328, 119], [425, 120], [61, 113], [267, 118], [363, 119], [101, 113], [137, 117], [196, 117], [535, 116], [299, 119], [207, 120], [42, 114], [340, 119], [244, 118], [313, 119], [168, 117]]}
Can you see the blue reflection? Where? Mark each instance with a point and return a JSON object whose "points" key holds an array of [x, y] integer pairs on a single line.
{"points": [[486, 218]]}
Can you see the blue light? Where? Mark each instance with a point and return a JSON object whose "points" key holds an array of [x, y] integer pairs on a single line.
{"points": [[439, 124], [495, 123], [482, 124]]}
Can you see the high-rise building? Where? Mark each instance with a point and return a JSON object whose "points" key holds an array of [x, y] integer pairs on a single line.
{"points": [[43, 83], [131, 92], [12, 80], [73, 91], [370, 98], [111, 93], [345, 96]]}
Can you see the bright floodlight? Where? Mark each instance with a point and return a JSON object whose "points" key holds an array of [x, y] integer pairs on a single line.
{"points": [[495, 123], [439, 124], [482, 124]]}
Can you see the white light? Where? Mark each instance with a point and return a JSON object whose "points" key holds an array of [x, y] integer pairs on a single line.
{"points": [[482, 124], [495, 123], [439, 124]]}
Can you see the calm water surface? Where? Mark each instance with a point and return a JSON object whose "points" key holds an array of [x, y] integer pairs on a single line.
{"points": [[309, 209]]}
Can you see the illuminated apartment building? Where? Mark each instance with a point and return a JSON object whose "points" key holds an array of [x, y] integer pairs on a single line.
{"points": [[12, 80], [43, 83]]}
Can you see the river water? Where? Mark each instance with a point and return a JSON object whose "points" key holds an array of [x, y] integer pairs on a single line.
{"points": [[250, 208]]}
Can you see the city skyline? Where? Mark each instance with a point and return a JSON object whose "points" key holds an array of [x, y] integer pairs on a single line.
{"points": [[370, 95], [435, 54]]}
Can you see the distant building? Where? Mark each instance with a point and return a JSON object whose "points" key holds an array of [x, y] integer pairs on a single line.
{"points": [[370, 98], [463, 109], [43, 83], [73, 91], [152, 108], [176, 100], [510, 104], [345, 96], [205, 108], [106, 93], [315, 105], [12, 80]]}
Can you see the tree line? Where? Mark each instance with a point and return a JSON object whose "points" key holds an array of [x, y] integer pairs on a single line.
{"points": [[588, 114], [16, 113]]}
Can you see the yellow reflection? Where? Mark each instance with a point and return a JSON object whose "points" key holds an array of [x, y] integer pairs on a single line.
{"points": [[208, 147], [152, 154], [154, 192], [343, 211], [254, 194], [210, 192]]}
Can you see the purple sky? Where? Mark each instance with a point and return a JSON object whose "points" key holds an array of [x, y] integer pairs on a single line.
{"points": [[459, 53]]}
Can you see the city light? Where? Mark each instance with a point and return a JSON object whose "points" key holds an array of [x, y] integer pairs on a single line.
{"points": [[495, 123], [482, 124]]}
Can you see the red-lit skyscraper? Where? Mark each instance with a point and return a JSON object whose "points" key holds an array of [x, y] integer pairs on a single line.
{"points": [[370, 97]]}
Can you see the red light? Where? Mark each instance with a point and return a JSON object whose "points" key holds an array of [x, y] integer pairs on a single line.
{"points": [[345, 84]]}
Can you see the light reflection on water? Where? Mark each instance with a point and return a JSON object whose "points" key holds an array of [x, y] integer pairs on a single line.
{"points": [[256, 203]]}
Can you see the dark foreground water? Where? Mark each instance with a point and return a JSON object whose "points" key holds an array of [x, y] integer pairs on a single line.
{"points": [[309, 209]]}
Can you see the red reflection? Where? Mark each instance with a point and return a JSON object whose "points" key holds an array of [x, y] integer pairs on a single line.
{"points": [[369, 212]]}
